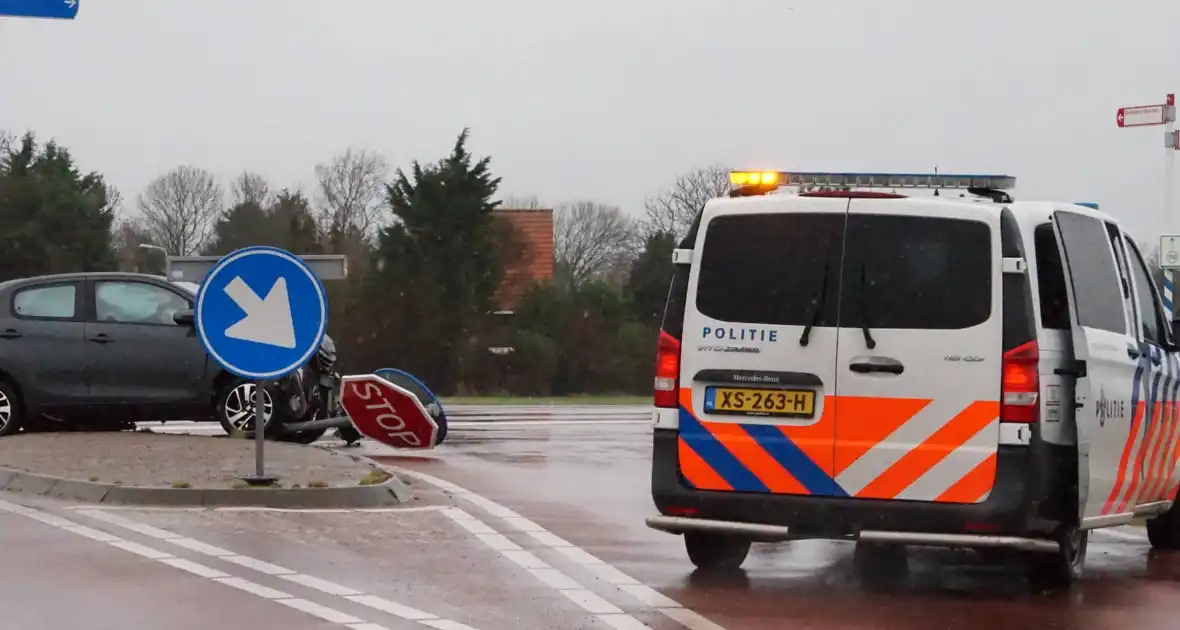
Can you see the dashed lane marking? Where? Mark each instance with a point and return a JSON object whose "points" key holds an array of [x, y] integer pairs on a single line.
{"points": [[647, 597], [325, 613]]}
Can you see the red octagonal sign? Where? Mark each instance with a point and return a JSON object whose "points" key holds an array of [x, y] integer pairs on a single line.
{"points": [[387, 413]]}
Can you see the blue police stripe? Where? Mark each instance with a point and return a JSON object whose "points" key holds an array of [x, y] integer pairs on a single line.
{"points": [[717, 456], [794, 460]]}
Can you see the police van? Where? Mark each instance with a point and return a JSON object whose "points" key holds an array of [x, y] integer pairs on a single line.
{"points": [[954, 368]]}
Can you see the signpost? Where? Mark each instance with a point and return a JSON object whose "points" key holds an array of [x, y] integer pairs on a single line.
{"points": [[261, 313], [1143, 116], [48, 9], [1153, 116], [387, 413], [1170, 251]]}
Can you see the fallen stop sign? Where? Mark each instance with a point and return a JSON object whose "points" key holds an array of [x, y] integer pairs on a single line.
{"points": [[387, 413]]}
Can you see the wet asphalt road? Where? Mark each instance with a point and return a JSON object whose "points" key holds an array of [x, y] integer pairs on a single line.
{"points": [[589, 484], [538, 524]]}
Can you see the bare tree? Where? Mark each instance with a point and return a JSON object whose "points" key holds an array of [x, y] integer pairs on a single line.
{"points": [[673, 208], [7, 141], [352, 189], [250, 187], [179, 208], [590, 239]]}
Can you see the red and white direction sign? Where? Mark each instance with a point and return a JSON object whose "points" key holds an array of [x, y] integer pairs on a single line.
{"points": [[1142, 116], [387, 413]]}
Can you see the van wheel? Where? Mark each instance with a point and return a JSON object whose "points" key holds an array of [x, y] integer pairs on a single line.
{"points": [[1062, 567], [11, 415], [1163, 531], [716, 551], [878, 564]]}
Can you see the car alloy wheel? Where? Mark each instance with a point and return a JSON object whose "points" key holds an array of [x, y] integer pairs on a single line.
{"points": [[6, 410], [239, 407]]}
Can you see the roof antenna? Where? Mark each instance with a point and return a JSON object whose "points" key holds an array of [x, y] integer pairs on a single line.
{"points": [[936, 173]]}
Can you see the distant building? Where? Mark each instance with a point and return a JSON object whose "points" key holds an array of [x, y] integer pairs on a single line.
{"points": [[534, 232]]}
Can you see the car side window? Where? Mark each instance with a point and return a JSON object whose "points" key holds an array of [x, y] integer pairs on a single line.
{"points": [[1150, 309], [136, 303], [59, 301], [1090, 258], [1120, 258]]}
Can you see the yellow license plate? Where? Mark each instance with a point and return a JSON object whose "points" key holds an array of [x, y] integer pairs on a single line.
{"points": [[796, 403]]}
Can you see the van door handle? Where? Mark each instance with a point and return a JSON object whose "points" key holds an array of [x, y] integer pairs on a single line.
{"points": [[11, 333], [885, 366], [1133, 352], [101, 338]]}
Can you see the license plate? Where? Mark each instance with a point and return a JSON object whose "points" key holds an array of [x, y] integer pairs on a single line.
{"points": [[789, 403]]}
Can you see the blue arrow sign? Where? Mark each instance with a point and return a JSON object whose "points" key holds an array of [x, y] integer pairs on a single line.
{"points": [[52, 9], [261, 312]]}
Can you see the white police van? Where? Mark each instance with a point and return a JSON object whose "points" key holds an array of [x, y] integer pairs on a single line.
{"points": [[957, 369]]}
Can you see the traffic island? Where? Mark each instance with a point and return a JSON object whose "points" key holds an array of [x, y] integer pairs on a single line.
{"points": [[140, 468]]}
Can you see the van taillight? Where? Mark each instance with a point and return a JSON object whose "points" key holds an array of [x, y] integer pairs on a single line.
{"points": [[1019, 384], [667, 384]]}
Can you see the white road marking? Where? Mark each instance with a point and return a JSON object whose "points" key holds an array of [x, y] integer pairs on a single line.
{"points": [[551, 577], [647, 597], [216, 575], [133, 508]]}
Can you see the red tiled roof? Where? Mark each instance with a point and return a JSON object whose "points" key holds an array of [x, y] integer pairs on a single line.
{"points": [[534, 229]]}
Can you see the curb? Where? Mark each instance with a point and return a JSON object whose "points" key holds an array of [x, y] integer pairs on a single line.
{"points": [[390, 493]]}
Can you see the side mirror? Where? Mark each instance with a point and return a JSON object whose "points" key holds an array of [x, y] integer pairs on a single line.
{"points": [[185, 317]]}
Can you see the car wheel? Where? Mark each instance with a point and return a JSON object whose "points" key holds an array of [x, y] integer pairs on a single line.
{"points": [[1163, 531], [235, 408], [1062, 567], [717, 552], [11, 416]]}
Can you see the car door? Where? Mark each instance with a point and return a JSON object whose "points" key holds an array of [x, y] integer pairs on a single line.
{"points": [[136, 354], [1113, 373], [758, 353], [41, 341], [1149, 455], [920, 351]]}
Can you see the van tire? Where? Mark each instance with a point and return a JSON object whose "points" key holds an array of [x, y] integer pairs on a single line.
{"points": [[1163, 531], [1063, 567], [719, 552]]}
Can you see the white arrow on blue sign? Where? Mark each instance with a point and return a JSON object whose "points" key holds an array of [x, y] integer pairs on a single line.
{"points": [[261, 312], [50, 9]]}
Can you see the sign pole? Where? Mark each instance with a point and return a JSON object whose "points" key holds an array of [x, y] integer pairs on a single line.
{"points": [[259, 429], [1169, 201]]}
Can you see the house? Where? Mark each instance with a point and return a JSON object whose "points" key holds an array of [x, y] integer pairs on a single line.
{"points": [[533, 261]]}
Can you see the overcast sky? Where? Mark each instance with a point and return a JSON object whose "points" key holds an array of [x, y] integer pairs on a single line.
{"points": [[609, 99]]}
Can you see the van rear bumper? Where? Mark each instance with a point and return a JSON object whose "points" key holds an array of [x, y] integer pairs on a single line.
{"points": [[1024, 474]]}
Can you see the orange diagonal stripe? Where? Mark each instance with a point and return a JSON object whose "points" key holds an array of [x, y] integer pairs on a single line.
{"points": [[698, 472], [974, 485], [1137, 472], [922, 458], [863, 422], [1121, 478]]}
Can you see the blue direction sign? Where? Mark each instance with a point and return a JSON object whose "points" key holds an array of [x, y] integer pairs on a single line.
{"points": [[261, 312], [52, 9]]}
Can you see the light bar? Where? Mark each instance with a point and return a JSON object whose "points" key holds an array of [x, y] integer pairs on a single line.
{"points": [[873, 180], [1086, 204]]}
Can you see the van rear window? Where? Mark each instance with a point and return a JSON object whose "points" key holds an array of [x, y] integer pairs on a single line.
{"points": [[916, 272], [769, 268]]}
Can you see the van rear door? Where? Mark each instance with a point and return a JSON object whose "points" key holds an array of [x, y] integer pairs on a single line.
{"points": [[919, 364], [759, 346]]}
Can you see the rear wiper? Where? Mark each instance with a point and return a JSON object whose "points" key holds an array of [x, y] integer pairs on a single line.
{"points": [[817, 306], [864, 313]]}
